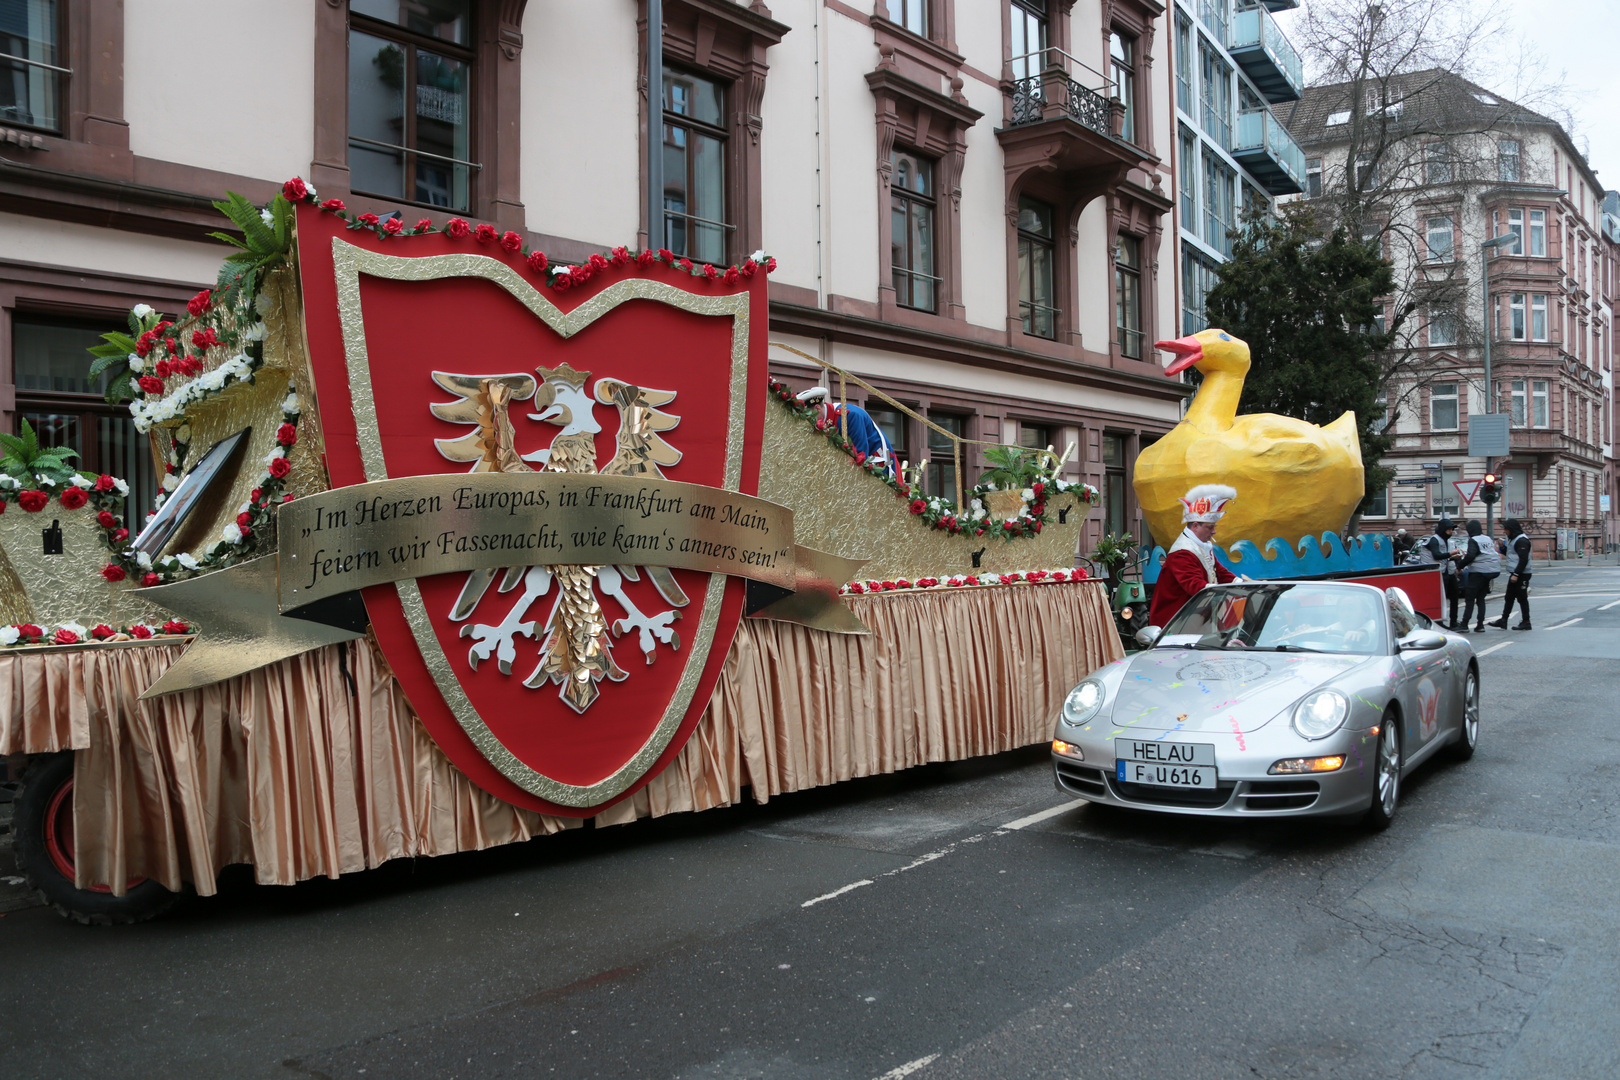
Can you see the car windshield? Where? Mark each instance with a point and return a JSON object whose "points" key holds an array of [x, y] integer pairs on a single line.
{"points": [[1280, 616]]}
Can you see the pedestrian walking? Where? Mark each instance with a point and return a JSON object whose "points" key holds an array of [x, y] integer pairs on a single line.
{"points": [[1437, 549], [1483, 565], [1518, 586]]}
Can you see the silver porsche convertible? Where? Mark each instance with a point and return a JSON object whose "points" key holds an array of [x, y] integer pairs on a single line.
{"points": [[1273, 698]]}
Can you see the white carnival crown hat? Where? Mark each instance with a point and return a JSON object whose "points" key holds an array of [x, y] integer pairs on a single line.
{"points": [[1206, 502]]}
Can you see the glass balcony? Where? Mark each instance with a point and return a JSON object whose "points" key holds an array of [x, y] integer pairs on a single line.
{"points": [[1266, 56], [1269, 153]]}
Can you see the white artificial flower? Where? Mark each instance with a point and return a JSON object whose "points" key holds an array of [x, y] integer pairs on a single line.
{"points": [[1029, 494], [255, 332], [758, 256], [121, 485], [976, 504], [990, 579], [290, 406], [561, 269], [279, 451], [9, 635], [170, 481], [81, 482], [311, 189], [74, 628], [143, 560], [233, 533], [142, 312], [157, 504], [45, 481], [185, 560], [267, 217], [142, 426], [244, 508]]}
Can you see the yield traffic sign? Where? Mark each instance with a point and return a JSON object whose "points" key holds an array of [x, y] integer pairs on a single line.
{"points": [[1467, 489]]}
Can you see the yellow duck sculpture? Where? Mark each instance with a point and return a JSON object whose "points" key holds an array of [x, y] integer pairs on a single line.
{"points": [[1293, 479]]}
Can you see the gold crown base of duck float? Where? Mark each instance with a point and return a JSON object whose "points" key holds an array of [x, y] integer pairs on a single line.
{"points": [[505, 546]]}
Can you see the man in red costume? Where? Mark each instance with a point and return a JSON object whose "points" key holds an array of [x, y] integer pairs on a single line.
{"points": [[1190, 564]]}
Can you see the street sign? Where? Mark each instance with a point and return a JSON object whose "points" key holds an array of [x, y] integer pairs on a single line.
{"points": [[1419, 480], [1488, 435], [1467, 489], [1431, 466]]}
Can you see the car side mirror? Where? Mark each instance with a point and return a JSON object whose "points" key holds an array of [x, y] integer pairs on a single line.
{"points": [[1423, 641], [1146, 636]]}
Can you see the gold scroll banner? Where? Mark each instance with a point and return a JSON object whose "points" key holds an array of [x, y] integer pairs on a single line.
{"points": [[343, 540], [418, 526]]}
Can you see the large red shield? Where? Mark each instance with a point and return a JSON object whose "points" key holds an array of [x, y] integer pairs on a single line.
{"points": [[397, 330]]}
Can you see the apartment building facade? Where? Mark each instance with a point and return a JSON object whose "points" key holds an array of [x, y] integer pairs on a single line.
{"points": [[1455, 166], [970, 201]]}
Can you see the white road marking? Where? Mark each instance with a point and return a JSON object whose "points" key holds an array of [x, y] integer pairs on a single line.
{"points": [[902, 1071], [1606, 607], [1561, 625], [836, 892], [1033, 819], [1493, 648]]}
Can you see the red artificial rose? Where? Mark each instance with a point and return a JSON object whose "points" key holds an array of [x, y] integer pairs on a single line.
{"points": [[295, 189], [33, 501], [286, 434], [562, 282], [287, 498], [102, 632], [860, 457], [621, 256], [150, 578], [424, 225], [150, 385], [918, 506], [202, 339], [73, 498], [538, 261], [199, 303], [1037, 526], [887, 586], [1009, 525], [770, 265], [645, 259], [279, 467], [334, 205], [105, 483], [191, 365], [113, 572], [162, 326], [597, 262], [485, 234], [748, 268], [1059, 575], [393, 226], [710, 272], [457, 228], [856, 587], [902, 583], [255, 495], [244, 519], [732, 277], [174, 346], [175, 626], [978, 532], [368, 219], [2, 506], [141, 630], [685, 264], [65, 637], [666, 255], [120, 536], [580, 274], [29, 630], [163, 369], [171, 468], [1038, 488]]}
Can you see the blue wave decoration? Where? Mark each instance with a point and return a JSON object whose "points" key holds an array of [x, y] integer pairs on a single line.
{"points": [[1327, 555]]}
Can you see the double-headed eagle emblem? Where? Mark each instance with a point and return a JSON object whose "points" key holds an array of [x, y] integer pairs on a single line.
{"points": [[576, 649]]}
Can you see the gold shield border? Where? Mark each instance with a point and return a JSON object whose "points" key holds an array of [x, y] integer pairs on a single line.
{"points": [[348, 263]]}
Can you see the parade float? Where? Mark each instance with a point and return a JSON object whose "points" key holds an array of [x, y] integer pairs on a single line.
{"points": [[458, 546], [1297, 485]]}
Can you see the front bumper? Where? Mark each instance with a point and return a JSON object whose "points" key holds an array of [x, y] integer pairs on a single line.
{"points": [[1243, 789]]}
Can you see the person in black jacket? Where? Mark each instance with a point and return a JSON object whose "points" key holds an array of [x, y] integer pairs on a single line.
{"points": [[1482, 564], [1518, 586], [1437, 549]]}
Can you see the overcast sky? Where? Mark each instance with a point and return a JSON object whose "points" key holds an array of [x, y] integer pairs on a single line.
{"points": [[1578, 39]]}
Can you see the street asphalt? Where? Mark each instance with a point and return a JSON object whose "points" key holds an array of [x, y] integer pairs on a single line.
{"points": [[954, 921]]}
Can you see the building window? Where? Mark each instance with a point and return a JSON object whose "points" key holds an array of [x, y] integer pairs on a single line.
{"points": [[1213, 12], [1441, 238], [1122, 68], [1114, 506], [911, 14], [1443, 407], [1538, 232], [1184, 63], [911, 235], [65, 407], [1313, 178], [1128, 296], [1366, 173], [1518, 401], [410, 96], [1377, 504], [940, 479], [1442, 328], [695, 168], [1189, 180], [1034, 436], [31, 71], [1028, 39], [1509, 154], [892, 422], [1384, 421], [1037, 291], [1538, 317], [1198, 277], [1515, 220], [1516, 325], [1216, 99], [1219, 182], [1436, 163]]}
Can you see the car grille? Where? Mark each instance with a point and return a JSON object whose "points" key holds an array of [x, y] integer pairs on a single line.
{"points": [[1160, 796], [1281, 794], [1080, 779]]}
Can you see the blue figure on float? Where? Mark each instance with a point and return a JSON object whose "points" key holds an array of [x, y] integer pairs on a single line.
{"points": [[864, 434]]}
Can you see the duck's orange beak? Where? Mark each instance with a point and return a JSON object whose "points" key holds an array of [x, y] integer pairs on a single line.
{"points": [[1188, 350]]}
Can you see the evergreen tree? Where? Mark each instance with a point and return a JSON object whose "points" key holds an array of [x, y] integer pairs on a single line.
{"points": [[1306, 303]]}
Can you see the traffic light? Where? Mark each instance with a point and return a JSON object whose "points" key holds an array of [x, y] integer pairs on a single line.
{"points": [[1490, 489]]}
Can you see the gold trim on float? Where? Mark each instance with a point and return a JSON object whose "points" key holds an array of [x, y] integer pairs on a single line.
{"points": [[348, 263]]}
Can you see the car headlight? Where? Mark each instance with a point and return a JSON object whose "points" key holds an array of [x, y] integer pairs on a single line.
{"points": [[1320, 714], [1083, 702]]}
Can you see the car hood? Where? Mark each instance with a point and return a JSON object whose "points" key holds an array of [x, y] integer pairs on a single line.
{"points": [[1233, 690]]}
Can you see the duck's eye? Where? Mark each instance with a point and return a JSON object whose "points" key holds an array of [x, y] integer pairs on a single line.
{"points": [[1225, 338]]}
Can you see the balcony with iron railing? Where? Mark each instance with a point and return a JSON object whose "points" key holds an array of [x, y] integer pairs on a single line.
{"points": [[1264, 147], [1266, 55], [1045, 85]]}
